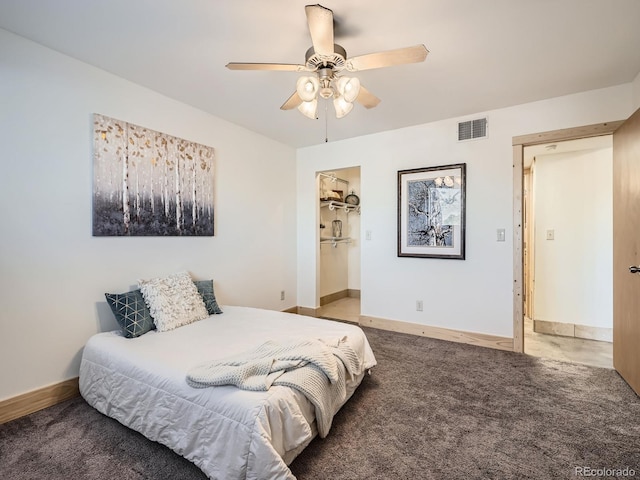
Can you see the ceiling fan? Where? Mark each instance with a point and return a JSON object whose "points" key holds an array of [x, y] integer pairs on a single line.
{"points": [[328, 60]]}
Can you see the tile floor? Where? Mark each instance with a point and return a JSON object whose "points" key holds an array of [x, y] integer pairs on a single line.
{"points": [[347, 309], [568, 349]]}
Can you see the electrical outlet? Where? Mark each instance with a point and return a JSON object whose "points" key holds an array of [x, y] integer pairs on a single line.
{"points": [[419, 305], [282, 295]]}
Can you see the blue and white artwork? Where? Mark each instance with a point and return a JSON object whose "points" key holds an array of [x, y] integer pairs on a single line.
{"points": [[431, 212]]}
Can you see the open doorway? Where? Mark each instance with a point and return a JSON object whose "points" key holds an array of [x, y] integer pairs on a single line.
{"points": [[519, 143], [567, 250], [339, 258]]}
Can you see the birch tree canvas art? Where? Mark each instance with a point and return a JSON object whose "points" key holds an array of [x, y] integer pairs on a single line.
{"points": [[431, 212], [147, 183]]}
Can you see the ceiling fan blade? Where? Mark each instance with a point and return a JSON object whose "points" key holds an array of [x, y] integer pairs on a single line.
{"points": [[389, 58], [367, 99], [283, 67], [320, 20], [292, 102]]}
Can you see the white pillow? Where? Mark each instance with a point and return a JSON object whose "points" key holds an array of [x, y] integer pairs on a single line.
{"points": [[173, 301]]}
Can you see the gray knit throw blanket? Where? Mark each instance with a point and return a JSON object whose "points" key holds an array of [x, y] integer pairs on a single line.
{"points": [[316, 368]]}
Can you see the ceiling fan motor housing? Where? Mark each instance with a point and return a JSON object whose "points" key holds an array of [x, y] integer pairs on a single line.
{"points": [[337, 61]]}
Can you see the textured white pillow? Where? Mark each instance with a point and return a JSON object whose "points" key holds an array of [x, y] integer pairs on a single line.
{"points": [[173, 301]]}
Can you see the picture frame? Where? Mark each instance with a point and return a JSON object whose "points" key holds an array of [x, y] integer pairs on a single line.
{"points": [[431, 212]]}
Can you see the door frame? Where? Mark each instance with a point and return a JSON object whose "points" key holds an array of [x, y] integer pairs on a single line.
{"points": [[518, 143], [528, 250]]}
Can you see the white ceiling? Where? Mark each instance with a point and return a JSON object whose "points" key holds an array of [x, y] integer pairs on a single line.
{"points": [[568, 146], [483, 54]]}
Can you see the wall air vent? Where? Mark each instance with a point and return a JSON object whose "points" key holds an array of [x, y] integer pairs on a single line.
{"points": [[472, 129]]}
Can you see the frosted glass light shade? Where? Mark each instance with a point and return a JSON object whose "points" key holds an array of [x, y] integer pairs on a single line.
{"points": [[309, 109], [342, 106], [349, 88], [307, 88]]}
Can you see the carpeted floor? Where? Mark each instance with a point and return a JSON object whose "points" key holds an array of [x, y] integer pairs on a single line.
{"points": [[430, 410]]}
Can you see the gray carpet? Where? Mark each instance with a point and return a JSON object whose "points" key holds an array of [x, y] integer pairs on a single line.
{"points": [[431, 410]]}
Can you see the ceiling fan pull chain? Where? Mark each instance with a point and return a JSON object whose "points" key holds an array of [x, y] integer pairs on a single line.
{"points": [[326, 123]]}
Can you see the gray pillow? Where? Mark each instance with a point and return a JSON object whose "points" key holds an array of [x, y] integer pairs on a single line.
{"points": [[205, 289]]}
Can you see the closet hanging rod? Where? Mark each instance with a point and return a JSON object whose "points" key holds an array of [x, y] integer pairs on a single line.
{"points": [[333, 177], [334, 241], [335, 205]]}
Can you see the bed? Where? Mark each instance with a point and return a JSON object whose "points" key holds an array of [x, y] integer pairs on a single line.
{"points": [[228, 432]]}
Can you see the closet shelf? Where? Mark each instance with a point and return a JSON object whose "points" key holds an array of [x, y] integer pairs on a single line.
{"points": [[333, 204]]}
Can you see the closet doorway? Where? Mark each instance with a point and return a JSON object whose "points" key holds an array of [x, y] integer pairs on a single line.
{"points": [[339, 259]]}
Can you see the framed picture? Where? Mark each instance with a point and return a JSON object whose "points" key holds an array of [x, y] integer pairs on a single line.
{"points": [[431, 212]]}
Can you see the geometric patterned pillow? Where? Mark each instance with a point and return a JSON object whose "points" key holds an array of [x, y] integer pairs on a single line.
{"points": [[205, 289], [131, 313]]}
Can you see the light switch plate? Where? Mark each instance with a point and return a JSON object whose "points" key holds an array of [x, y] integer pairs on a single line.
{"points": [[501, 234], [550, 234]]}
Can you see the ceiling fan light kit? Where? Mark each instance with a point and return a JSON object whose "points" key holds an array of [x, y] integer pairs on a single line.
{"points": [[326, 60], [349, 88], [307, 88], [342, 106], [309, 109]]}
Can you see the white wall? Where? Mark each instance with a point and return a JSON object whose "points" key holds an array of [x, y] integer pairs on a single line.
{"points": [[573, 195], [472, 295], [54, 273]]}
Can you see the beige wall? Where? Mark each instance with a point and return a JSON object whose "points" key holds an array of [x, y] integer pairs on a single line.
{"points": [[574, 272]]}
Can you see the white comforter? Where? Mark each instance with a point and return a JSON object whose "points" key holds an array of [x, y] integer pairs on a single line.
{"points": [[229, 433], [317, 368]]}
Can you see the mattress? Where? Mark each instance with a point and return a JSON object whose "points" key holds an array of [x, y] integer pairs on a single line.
{"points": [[228, 432]]}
